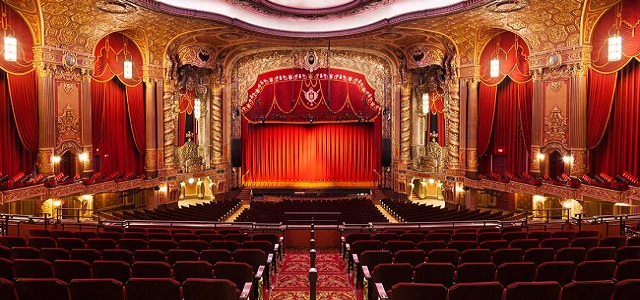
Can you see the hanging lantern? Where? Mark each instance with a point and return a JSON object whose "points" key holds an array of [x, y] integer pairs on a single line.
{"points": [[196, 108], [495, 68], [10, 48], [425, 103], [615, 48], [128, 69]]}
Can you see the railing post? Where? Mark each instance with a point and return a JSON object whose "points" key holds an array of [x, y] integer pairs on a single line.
{"points": [[622, 225], [312, 243], [312, 254], [313, 280], [45, 220]]}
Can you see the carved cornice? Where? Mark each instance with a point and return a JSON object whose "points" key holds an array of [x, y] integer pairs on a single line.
{"points": [[61, 57], [152, 73], [129, 184], [470, 72]]}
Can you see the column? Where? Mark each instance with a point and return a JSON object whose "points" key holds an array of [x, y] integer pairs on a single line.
{"points": [[578, 119], [405, 123], [46, 120], [159, 123], [87, 124], [151, 153], [537, 119], [216, 124], [453, 124], [472, 128], [169, 127]]}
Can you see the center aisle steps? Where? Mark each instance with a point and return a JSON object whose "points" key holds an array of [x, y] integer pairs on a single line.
{"points": [[292, 280]]}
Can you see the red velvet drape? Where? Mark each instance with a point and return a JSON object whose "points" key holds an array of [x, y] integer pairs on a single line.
{"points": [[135, 109], [619, 149], [486, 113], [24, 99], [601, 88], [116, 145], [330, 152], [14, 156]]}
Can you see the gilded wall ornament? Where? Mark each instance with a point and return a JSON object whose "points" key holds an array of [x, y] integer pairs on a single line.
{"points": [[555, 126], [424, 55], [68, 127]]}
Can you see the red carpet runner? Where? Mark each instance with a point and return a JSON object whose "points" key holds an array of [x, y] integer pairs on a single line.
{"points": [[292, 280]]}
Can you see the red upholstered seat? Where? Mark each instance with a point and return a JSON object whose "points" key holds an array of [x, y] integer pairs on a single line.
{"points": [[476, 291], [558, 271], [581, 290], [42, 288], [545, 290], [153, 288], [109, 289]]}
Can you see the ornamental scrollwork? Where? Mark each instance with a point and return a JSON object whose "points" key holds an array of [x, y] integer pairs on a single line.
{"points": [[555, 126]]}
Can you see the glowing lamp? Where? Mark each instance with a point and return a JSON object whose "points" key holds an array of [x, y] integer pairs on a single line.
{"points": [[197, 108], [425, 103], [10, 48], [83, 156], [191, 180], [500, 150], [567, 159], [495, 68], [540, 156], [128, 69], [615, 48]]}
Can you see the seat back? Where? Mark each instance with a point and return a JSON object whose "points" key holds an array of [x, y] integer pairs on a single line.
{"points": [[413, 257], [132, 244], [441, 273], [33, 268], [511, 272], [545, 290], [110, 289], [427, 246], [601, 253], [555, 243], [391, 274], [627, 252], [593, 290], [475, 255], [42, 242], [42, 288], [152, 288], [101, 243], [524, 244], [195, 245], [213, 256], [574, 254], [613, 241], [627, 269], [117, 270], [6, 269], [411, 290], [88, 255], [151, 269], [25, 252], [558, 271], [444, 255], [118, 254], [626, 289], [13, 241], [66, 270], [372, 258], [395, 246], [182, 270], [254, 257], [467, 291], [51, 254], [225, 245], [7, 290], [595, 270], [500, 256], [207, 289], [361, 246], [493, 245], [71, 243], [175, 255], [238, 273], [475, 272], [586, 242], [539, 255], [163, 245]]}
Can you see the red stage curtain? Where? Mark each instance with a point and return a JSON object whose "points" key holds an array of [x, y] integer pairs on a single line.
{"points": [[14, 157], [135, 108], [116, 145], [619, 149], [601, 88], [329, 152], [486, 113], [24, 99], [98, 96]]}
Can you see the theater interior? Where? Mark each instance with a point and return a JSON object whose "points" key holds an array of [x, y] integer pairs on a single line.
{"points": [[334, 149]]}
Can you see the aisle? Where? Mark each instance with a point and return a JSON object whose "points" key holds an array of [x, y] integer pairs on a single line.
{"points": [[292, 281]]}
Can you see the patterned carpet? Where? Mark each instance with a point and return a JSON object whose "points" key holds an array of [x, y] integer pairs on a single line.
{"points": [[291, 282]]}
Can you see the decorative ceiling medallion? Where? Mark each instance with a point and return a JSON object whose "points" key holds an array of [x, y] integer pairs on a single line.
{"points": [[115, 6], [503, 6], [310, 60]]}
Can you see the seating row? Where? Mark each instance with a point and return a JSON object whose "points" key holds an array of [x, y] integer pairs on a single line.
{"points": [[135, 289], [595, 290], [407, 211], [117, 233], [212, 211]]}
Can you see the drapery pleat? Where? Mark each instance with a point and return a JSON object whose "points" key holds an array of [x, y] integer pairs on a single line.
{"points": [[486, 113], [600, 89], [327, 152], [14, 157], [116, 146], [98, 94], [135, 108], [24, 100], [619, 149]]}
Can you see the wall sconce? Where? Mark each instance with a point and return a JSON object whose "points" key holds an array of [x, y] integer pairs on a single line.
{"points": [[615, 48], [425, 103], [540, 156], [55, 159], [494, 68], [128, 64], [431, 181], [191, 180], [197, 108], [83, 157], [567, 159]]}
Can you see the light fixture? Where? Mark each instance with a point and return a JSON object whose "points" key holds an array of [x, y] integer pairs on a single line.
{"points": [[431, 181], [83, 156], [425, 103], [55, 159], [191, 180], [540, 156], [128, 64], [567, 159], [10, 41], [494, 68], [197, 108], [615, 48]]}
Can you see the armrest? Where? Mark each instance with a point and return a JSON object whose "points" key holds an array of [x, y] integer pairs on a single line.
{"points": [[356, 260], [260, 272], [246, 291], [382, 294], [366, 273], [270, 259]]}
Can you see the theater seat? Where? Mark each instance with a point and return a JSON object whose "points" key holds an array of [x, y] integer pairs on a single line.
{"points": [[86, 289], [545, 290], [153, 288], [42, 288], [207, 289], [476, 291], [592, 290]]}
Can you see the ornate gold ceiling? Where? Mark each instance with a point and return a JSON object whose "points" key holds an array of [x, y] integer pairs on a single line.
{"points": [[77, 25]]}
